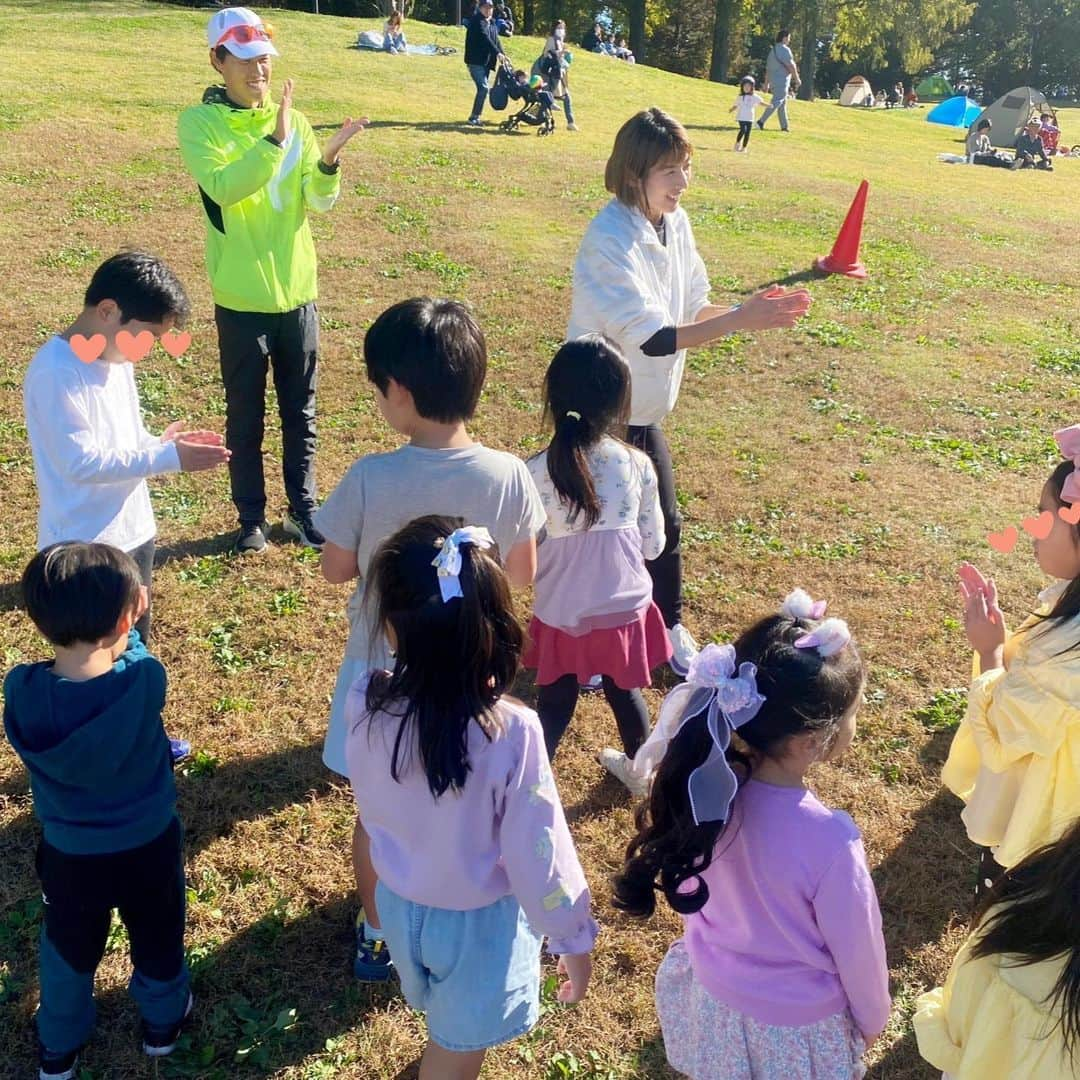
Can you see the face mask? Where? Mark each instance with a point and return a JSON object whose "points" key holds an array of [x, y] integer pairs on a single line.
{"points": [[560, 34]]}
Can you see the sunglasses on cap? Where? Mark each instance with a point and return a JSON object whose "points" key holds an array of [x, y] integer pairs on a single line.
{"points": [[245, 34]]}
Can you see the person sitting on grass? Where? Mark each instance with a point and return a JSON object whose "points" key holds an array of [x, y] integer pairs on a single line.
{"points": [[980, 151], [87, 726], [1030, 152], [1050, 133], [394, 36]]}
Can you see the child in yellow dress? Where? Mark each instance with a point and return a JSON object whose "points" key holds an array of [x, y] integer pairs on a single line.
{"points": [[1010, 1008], [1015, 759]]}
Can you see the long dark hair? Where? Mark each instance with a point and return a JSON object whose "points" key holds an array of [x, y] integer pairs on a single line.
{"points": [[452, 660], [1034, 918], [1068, 603], [804, 692], [586, 396]]}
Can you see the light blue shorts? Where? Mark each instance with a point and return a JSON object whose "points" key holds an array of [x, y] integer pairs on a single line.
{"points": [[474, 974]]}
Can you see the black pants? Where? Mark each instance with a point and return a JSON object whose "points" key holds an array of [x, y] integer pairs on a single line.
{"points": [[995, 161], [146, 884], [744, 132], [555, 704], [666, 569], [144, 560], [289, 343]]}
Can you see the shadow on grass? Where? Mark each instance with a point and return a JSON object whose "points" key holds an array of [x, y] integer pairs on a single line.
{"points": [[796, 278], [219, 544], [10, 596]]}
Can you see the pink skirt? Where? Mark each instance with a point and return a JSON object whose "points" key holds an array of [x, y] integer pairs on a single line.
{"points": [[626, 654]]}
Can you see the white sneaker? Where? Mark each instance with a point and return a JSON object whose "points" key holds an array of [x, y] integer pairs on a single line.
{"points": [[618, 764], [683, 649], [594, 685]]}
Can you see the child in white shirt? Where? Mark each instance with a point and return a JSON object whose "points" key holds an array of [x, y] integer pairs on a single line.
{"points": [[747, 103]]}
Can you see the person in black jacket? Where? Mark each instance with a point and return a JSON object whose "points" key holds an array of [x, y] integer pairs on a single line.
{"points": [[482, 49]]}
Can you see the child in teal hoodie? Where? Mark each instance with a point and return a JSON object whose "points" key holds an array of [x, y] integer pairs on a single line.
{"points": [[87, 725]]}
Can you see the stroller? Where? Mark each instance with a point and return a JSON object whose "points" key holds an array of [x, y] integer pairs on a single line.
{"points": [[538, 103]]}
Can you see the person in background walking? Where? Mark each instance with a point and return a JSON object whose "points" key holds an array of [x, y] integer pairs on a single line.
{"points": [[781, 77], [482, 49]]}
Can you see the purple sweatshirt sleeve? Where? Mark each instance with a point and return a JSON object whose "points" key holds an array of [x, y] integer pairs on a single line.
{"points": [[537, 852], [846, 909]]}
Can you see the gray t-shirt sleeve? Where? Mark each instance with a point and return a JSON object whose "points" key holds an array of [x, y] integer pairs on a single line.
{"points": [[341, 518], [532, 516]]}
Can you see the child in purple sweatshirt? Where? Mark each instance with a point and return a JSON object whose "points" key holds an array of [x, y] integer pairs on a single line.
{"points": [[781, 971], [475, 861]]}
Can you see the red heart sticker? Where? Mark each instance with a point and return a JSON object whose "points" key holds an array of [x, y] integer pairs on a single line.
{"points": [[1071, 514], [175, 344], [1040, 526], [134, 346], [87, 349], [1005, 540]]}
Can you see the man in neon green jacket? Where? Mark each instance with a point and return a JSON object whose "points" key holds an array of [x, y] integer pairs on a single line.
{"points": [[259, 171]]}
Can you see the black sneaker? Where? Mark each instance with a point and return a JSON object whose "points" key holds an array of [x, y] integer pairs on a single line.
{"points": [[299, 527], [57, 1066], [161, 1042], [760, 125], [251, 540]]}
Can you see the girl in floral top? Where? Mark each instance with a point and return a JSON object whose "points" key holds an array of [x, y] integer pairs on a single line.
{"points": [[468, 837], [594, 611]]}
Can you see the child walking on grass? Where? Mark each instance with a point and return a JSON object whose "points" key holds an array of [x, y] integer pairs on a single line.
{"points": [[1013, 758], [452, 781], [1011, 1004], [593, 610], [746, 103], [781, 971], [87, 725]]}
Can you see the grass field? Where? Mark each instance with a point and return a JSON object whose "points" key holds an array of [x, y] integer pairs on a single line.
{"points": [[861, 455]]}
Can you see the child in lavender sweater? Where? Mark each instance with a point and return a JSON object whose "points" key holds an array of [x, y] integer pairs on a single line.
{"points": [[781, 971], [452, 781]]}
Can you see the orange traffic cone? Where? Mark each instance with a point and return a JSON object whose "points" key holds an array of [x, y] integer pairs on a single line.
{"points": [[844, 257]]}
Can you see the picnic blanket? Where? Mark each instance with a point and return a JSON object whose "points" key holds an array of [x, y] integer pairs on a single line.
{"points": [[373, 41]]}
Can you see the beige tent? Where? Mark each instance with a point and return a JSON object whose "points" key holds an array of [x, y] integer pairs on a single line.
{"points": [[1010, 113], [856, 90]]}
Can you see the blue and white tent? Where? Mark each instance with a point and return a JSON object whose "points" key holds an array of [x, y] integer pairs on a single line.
{"points": [[956, 111]]}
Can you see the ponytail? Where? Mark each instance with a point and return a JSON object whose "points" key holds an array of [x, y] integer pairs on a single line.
{"points": [[670, 849], [586, 396], [568, 467]]}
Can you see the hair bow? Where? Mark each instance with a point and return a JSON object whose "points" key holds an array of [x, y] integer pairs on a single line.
{"points": [[828, 637], [1068, 441], [448, 562], [731, 699], [798, 605]]}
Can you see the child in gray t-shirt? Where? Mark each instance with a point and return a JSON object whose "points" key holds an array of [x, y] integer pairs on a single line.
{"points": [[427, 359]]}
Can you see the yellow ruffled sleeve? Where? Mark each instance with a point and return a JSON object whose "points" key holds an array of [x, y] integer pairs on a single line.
{"points": [[978, 1027], [1015, 759]]}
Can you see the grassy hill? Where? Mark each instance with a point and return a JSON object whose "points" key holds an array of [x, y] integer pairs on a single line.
{"points": [[861, 456]]}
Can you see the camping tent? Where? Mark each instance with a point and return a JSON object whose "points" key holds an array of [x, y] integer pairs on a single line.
{"points": [[856, 91], [934, 87], [957, 111], [1010, 113]]}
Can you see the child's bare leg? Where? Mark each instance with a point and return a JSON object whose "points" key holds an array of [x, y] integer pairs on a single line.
{"points": [[366, 878], [439, 1063]]}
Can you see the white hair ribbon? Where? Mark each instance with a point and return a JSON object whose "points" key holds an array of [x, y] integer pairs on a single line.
{"points": [[828, 637], [448, 562], [798, 605], [730, 699]]}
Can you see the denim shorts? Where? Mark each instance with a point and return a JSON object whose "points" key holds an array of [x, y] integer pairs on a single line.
{"points": [[474, 974]]}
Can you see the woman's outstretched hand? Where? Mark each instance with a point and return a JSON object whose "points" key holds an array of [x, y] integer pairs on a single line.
{"points": [[774, 307]]}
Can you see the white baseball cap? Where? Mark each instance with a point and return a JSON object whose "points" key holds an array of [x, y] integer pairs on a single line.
{"points": [[241, 31]]}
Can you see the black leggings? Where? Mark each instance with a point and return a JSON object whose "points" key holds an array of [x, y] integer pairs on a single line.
{"points": [[744, 132], [556, 702], [666, 569]]}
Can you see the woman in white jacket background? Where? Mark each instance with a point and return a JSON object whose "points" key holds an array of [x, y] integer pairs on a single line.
{"points": [[638, 278]]}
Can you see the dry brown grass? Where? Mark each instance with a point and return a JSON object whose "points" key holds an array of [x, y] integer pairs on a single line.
{"points": [[821, 458]]}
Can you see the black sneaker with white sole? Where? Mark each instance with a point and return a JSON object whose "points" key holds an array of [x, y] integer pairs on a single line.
{"points": [[251, 539], [300, 527], [161, 1041], [57, 1066]]}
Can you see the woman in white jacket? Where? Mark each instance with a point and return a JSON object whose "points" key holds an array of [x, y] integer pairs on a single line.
{"points": [[638, 279]]}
